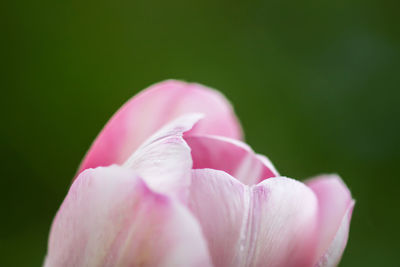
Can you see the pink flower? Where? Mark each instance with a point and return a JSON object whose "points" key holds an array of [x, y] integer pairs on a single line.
{"points": [[168, 182]]}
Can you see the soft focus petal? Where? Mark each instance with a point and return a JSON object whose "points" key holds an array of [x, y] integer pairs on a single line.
{"points": [[268, 164], [218, 201], [285, 235], [335, 208], [271, 224], [231, 156], [333, 254], [164, 161], [147, 112], [111, 218]]}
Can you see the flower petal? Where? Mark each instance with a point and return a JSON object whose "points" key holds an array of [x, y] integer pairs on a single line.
{"points": [[218, 202], [163, 161], [335, 209], [333, 254], [286, 233], [271, 224], [147, 112], [111, 218], [231, 156]]}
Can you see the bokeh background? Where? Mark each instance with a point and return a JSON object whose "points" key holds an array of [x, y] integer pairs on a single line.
{"points": [[314, 82]]}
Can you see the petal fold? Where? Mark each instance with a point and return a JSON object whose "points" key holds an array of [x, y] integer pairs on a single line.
{"points": [[229, 155], [334, 214], [164, 161], [111, 218], [333, 254], [148, 111]]}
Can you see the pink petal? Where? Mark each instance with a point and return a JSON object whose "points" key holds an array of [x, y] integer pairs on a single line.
{"points": [[164, 161], [111, 218], [218, 201], [333, 254], [271, 224], [287, 210], [335, 209], [231, 156], [147, 112]]}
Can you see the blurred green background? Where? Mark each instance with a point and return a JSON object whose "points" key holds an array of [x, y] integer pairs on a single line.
{"points": [[315, 84]]}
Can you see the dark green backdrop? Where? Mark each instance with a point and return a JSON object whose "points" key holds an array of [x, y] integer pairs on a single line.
{"points": [[315, 84]]}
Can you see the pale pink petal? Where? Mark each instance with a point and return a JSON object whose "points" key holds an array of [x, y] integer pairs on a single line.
{"points": [[335, 208], [219, 203], [271, 224], [231, 156], [147, 112], [268, 164], [164, 161], [288, 211], [333, 254], [111, 218]]}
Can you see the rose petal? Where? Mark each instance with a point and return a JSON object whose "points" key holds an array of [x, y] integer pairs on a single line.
{"points": [[335, 208], [231, 156], [271, 224], [164, 161], [147, 112], [111, 218]]}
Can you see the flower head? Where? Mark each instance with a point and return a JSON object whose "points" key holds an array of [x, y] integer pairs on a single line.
{"points": [[169, 182]]}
